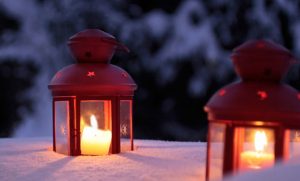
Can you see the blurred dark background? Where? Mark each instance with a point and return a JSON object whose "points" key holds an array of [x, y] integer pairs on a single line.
{"points": [[179, 56]]}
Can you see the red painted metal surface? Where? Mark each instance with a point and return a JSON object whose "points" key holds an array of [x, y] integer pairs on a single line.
{"points": [[259, 100], [106, 79], [255, 101], [94, 46], [261, 60], [92, 77]]}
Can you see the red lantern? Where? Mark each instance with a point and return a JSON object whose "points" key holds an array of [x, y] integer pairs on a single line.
{"points": [[253, 123], [92, 99]]}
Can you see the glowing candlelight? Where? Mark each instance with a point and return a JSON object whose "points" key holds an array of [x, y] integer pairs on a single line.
{"points": [[260, 141], [258, 158], [95, 141]]}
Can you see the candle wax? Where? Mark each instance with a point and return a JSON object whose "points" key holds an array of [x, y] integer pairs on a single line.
{"points": [[95, 141], [256, 160]]}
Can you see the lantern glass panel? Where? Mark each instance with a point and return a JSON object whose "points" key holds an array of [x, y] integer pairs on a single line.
{"points": [[95, 127], [216, 135], [61, 126], [292, 149], [254, 148], [126, 124]]}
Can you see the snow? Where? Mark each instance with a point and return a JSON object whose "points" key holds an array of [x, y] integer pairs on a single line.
{"points": [[32, 159], [277, 173]]}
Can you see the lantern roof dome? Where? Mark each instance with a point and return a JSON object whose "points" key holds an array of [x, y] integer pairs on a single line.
{"points": [[261, 47], [91, 35], [94, 46], [259, 95], [261, 60], [255, 102], [98, 79]]}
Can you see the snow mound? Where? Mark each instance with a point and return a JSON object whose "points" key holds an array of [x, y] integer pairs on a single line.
{"points": [[277, 173], [32, 159]]}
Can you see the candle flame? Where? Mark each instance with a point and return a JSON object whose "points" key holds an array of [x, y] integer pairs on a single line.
{"points": [[260, 141], [94, 122]]}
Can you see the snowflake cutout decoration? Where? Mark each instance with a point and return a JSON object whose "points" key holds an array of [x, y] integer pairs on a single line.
{"points": [[91, 74], [123, 130], [63, 129], [262, 94]]}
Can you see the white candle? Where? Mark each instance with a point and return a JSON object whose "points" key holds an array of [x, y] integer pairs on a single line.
{"points": [[257, 158], [95, 141]]}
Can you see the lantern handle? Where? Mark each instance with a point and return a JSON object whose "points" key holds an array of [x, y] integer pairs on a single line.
{"points": [[120, 46]]}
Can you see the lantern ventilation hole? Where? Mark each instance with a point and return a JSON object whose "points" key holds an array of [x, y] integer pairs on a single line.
{"points": [[298, 96], [222, 92], [88, 54], [58, 75], [260, 45], [91, 74], [124, 75], [262, 94]]}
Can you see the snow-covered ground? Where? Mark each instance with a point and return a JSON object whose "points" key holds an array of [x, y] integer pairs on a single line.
{"points": [[31, 159], [281, 172]]}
